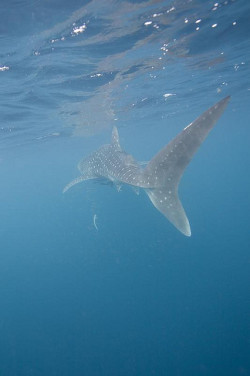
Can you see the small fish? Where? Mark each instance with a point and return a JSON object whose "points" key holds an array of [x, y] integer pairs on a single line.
{"points": [[94, 221]]}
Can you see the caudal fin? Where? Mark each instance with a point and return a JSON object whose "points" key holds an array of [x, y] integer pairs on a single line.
{"points": [[165, 170], [168, 203]]}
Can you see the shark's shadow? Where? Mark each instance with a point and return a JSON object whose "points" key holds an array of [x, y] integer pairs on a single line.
{"points": [[161, 176]]}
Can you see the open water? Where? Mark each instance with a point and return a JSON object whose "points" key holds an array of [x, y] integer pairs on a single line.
{"points": [[132, 297]]}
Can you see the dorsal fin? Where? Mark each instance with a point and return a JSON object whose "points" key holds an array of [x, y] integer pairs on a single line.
{"points": [[115, 139]]}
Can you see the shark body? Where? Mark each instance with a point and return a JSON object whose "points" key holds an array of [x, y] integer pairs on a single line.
{"points": [[161, 176]]}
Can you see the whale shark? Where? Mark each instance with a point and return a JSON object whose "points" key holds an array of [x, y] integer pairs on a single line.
{"points": [[160, 177]]}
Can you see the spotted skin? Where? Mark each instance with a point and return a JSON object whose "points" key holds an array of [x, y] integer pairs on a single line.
{"points": [[161, 176]]}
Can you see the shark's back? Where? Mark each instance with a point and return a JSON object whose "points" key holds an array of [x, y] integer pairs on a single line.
{"points": [[111, 163]]}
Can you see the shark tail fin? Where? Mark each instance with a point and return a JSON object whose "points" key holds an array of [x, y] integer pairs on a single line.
{"points": [[165, 170], [168, 203]]}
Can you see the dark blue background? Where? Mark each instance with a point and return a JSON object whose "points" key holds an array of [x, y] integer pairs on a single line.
{"points": [[135, 297]]}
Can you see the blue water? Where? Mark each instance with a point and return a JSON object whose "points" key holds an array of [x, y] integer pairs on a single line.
{"points": [[136, 297]]}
